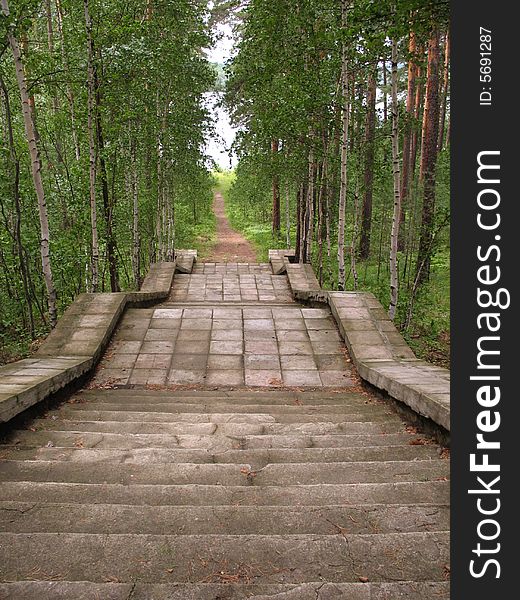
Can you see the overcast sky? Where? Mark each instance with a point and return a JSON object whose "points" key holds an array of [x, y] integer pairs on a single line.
{"points": [[219, 149]]}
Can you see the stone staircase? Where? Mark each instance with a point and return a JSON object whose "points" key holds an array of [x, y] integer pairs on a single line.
{"points": [[224, 449], [204, 494]]}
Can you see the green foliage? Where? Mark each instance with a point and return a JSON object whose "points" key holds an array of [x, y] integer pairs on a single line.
{"points": [[153, 77], [284, 86]]}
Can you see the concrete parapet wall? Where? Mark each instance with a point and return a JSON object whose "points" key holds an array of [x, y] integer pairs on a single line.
{"points": [[379, 352], [76, 344]]}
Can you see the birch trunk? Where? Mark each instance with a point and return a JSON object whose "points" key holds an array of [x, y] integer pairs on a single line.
{"points": [[276, 190], [36, 167], [344, 152], [370, 126], [136, 240], [309, 218], [407, 138], [394, 274], [92, 149], [287, 217], [69, 94]]}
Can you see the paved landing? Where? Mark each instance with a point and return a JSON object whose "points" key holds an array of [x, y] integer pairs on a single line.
{"points": [[231, 287], [227, 346]]}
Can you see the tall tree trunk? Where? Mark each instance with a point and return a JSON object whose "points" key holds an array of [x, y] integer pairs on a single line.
{"points": [[276, 189], [370, 126], [407, 138], [430, 133], [344, 152], [353, 266], [17, 233], [136, 245], [287, 217], [385, 95], [91, 95], [36, 166], [298, 241], [419, 96], [394, 272], [309, 212], [445, 91], [107, 204], [70, 93]]}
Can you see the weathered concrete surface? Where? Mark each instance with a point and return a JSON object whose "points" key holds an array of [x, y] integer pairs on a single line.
{"points": [[75, 345], [65, 590], [378, 351], [417, 492], [169, 491], [260, 346], [384, 359], [184, 260], [29, 381], [269, 558], [277, 260]]}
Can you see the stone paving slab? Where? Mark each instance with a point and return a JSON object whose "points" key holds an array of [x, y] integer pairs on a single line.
{"points": [[379, 352], [232, 268], [277, 260], [231, 520], [255, 346], [224, 286]]}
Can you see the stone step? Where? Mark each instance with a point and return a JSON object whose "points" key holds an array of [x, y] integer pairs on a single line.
{"points": [[24, 517], [223, 408], [68, 590], [224, 474], [258, 457], [235, 429], [419, 492], [263, 559], [151, 396], [220, 443], [215, 417]]}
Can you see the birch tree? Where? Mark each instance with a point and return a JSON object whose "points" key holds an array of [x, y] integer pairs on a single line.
{"points": [[394, 273], [36, 167], [91, 93], [344, 150]]}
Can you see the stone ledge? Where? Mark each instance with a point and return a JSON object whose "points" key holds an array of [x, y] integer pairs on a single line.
{"points": [[379, 352], [76, 344], [384, 359], [277, 260], [184, 260], [302, 280]]}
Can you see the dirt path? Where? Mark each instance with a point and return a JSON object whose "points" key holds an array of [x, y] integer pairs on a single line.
{"points": [[230, 246]]}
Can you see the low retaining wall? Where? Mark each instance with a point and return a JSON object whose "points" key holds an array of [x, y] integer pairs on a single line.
{"points": [[379, 352], [76, 344]]}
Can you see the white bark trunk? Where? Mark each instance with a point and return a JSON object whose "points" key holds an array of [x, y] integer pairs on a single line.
{"points": [[287, 217], [394, 274], [136, 263], [344, 151], [92, 151], [309, 218], [36, 166], [70, 94]]}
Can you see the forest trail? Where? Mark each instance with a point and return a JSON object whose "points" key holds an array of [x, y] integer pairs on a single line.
{"points": [[230, 245]]}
